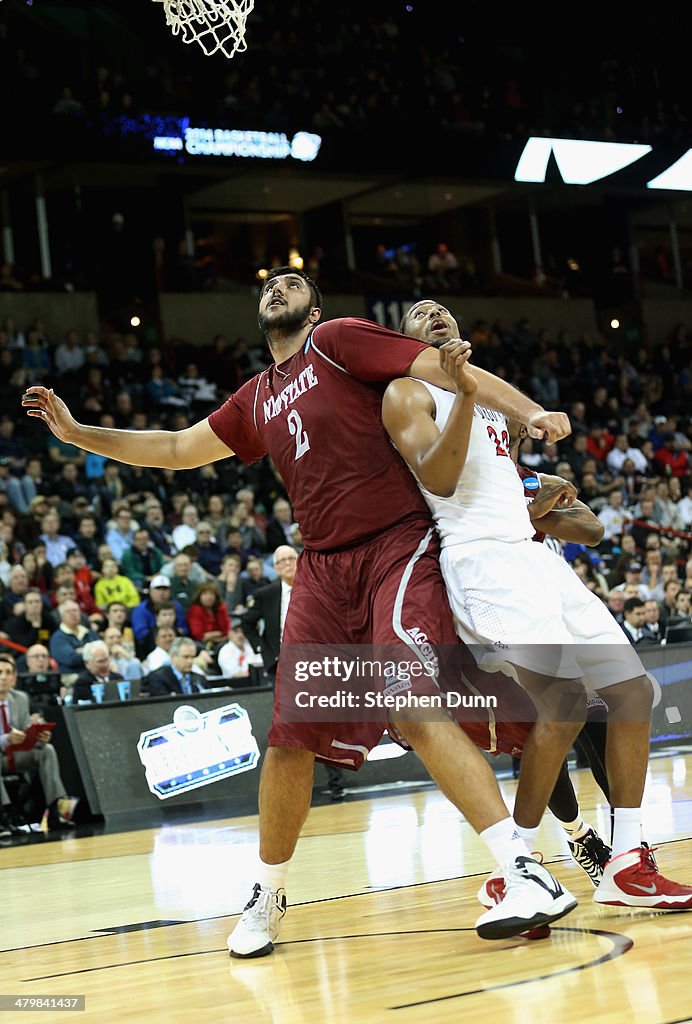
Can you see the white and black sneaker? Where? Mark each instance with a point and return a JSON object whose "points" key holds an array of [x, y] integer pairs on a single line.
{"points": [[533, 897], [590, 853], [259, 924]]}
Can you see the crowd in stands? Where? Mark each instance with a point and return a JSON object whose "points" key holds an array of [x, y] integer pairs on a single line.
{"points": [[94, 550]]}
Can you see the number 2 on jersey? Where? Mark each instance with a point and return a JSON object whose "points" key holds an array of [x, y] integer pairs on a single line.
{"points": [[295, 428], [501, 443]]}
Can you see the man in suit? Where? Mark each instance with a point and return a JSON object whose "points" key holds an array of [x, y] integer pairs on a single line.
{"points": [[97, 662], [15, 718], [180, 676], [263, 624]]}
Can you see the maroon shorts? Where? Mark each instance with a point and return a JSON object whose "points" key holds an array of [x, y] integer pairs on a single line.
{"points": [[505, 729], [388, 590]]}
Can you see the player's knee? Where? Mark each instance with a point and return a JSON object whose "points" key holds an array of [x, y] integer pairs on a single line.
{"points": [[552, 733], [414, 730], [631, 700]]}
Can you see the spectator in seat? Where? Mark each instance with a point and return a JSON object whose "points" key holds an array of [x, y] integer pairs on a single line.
{"points": [[236, 657], [155, 524], [142, 560], [668, 607], [97, 669], [17, 586], [279, 524], [207, 616], [681, 615], [229, 582], [616, 605], [252, 578], [67, 641], [186, 531], [620, 452], [121, 660], [76, 571], [32, 622], [118, 615], [209, 552], [182, 581], [113, 586], [158, 656], [443, 268], [652, 623], [121, 534], [180, 676], [144, 615], [633, 577], [57, 543], [671, 459], [633, 621], [613, 516], [87, 539]]}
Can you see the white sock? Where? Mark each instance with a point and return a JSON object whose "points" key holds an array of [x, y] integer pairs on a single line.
{"points": [[575, 829], [504, 841], [529, 835], [627, 830], [273, 876]]}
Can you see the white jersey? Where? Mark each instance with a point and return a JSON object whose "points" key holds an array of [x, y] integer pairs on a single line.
{"points": [[489, 502]]}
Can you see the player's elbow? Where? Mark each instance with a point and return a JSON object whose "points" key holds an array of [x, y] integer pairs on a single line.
{"points": [[594, 534], [440, 487]]}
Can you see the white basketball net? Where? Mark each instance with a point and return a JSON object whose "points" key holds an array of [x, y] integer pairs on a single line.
{"points": [[214, 24]]}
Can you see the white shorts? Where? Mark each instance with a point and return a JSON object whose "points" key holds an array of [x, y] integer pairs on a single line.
{"points": [[519, 605]]}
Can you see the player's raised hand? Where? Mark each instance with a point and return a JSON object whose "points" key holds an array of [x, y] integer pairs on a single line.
{"points": [[454, 357], [44, 404], [549, 426]]}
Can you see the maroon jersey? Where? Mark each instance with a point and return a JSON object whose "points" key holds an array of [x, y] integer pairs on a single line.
{"points": [[531, 488], [318, 415]]}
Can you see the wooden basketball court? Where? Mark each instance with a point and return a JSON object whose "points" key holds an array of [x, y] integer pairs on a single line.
{"points": [[380, 924]]}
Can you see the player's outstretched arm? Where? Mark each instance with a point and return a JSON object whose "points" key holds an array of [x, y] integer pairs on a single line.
{"points": [[194, 446], [497, 394], [408, 410]]}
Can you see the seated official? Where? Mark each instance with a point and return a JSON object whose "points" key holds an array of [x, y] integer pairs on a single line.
{"points": [[181, 676], [15, 718], [97, 669]]}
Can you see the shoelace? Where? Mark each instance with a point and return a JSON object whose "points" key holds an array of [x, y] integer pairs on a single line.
{"points": [[518, 876], [256, 913], [647, 861], [596, 848]]}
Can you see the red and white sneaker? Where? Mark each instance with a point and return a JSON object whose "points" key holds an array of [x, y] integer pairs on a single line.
{"points": [[493, 891], [633, 880]]}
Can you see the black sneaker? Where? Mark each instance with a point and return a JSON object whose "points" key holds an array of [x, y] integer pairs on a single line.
{"points": [[590, 853], [19, 823]]}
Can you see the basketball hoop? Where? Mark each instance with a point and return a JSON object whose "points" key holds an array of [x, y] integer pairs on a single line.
{"points": [[214, 24]]}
